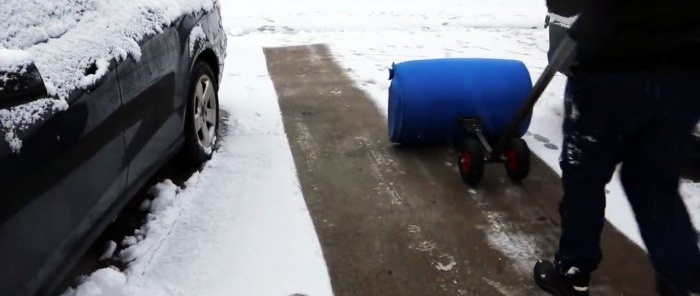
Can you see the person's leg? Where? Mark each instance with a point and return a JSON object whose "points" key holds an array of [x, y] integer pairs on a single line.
{"points": [[650, 176], [594, 138], [597, 129]]}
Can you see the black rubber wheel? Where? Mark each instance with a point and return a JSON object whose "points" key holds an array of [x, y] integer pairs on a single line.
{"points": [[517, 160], [471, 161], [201, 116]]}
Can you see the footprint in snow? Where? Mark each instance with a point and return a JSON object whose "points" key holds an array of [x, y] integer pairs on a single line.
{"points": [[551, 146], [540, 138]]}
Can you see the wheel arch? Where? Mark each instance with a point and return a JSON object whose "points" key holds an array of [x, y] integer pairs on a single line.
{"points": [[209, 57]]}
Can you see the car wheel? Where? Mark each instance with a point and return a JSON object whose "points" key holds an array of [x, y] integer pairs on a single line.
{"points": [[202, 115]]}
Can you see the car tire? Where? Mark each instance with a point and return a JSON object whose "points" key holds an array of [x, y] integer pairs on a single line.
{"points": [[202, 115]]}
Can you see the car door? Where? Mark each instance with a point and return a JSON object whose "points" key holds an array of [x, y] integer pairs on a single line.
{"points": [[149, 93], [68, 173]]}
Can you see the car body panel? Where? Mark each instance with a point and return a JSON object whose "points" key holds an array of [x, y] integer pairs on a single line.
{"points": [[59, 157], [149, 93]]}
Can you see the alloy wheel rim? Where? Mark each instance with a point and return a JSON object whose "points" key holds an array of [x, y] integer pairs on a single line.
{"points": [[205, 112]]}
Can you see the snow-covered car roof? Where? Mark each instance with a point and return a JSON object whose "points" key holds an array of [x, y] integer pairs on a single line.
{"points": [[64, 37]]}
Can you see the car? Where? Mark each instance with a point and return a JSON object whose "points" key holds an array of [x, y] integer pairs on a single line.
{"points": [[90, 107]]}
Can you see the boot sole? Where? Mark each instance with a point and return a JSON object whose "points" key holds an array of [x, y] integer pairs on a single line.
{"points": [[544, 287]]}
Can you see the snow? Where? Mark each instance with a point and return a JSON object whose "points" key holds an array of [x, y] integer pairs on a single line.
{"points": [[20, 118], [65, 37], [106, 281], [165, 195], [290, 17], [241, 227], [196, 35], [12, 59], [448, 266], [109, 251], [507, 238]]}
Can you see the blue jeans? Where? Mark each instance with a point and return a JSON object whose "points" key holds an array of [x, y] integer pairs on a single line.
{"points": [[644, 121]]}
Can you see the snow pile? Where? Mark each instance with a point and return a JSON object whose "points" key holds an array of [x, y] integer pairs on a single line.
{"points": [[109, 251], [109, 281], [65, 37], [103, 282], [163, 214]]}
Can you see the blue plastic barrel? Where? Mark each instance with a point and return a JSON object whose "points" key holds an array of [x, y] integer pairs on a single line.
{"points": [[426, 97]]}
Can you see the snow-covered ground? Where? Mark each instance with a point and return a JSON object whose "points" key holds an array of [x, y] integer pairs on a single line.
{"points": [[241, 226]]}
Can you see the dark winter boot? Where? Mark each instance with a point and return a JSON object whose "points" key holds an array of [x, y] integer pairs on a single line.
{"points": [[569, 283], [666, 289]]}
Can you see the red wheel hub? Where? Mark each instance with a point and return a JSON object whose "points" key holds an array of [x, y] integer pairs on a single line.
{"points": [[512, 159], [465, 160]]}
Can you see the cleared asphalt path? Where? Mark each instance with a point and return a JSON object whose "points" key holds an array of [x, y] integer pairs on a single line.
{"points": [[399, 221]]}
